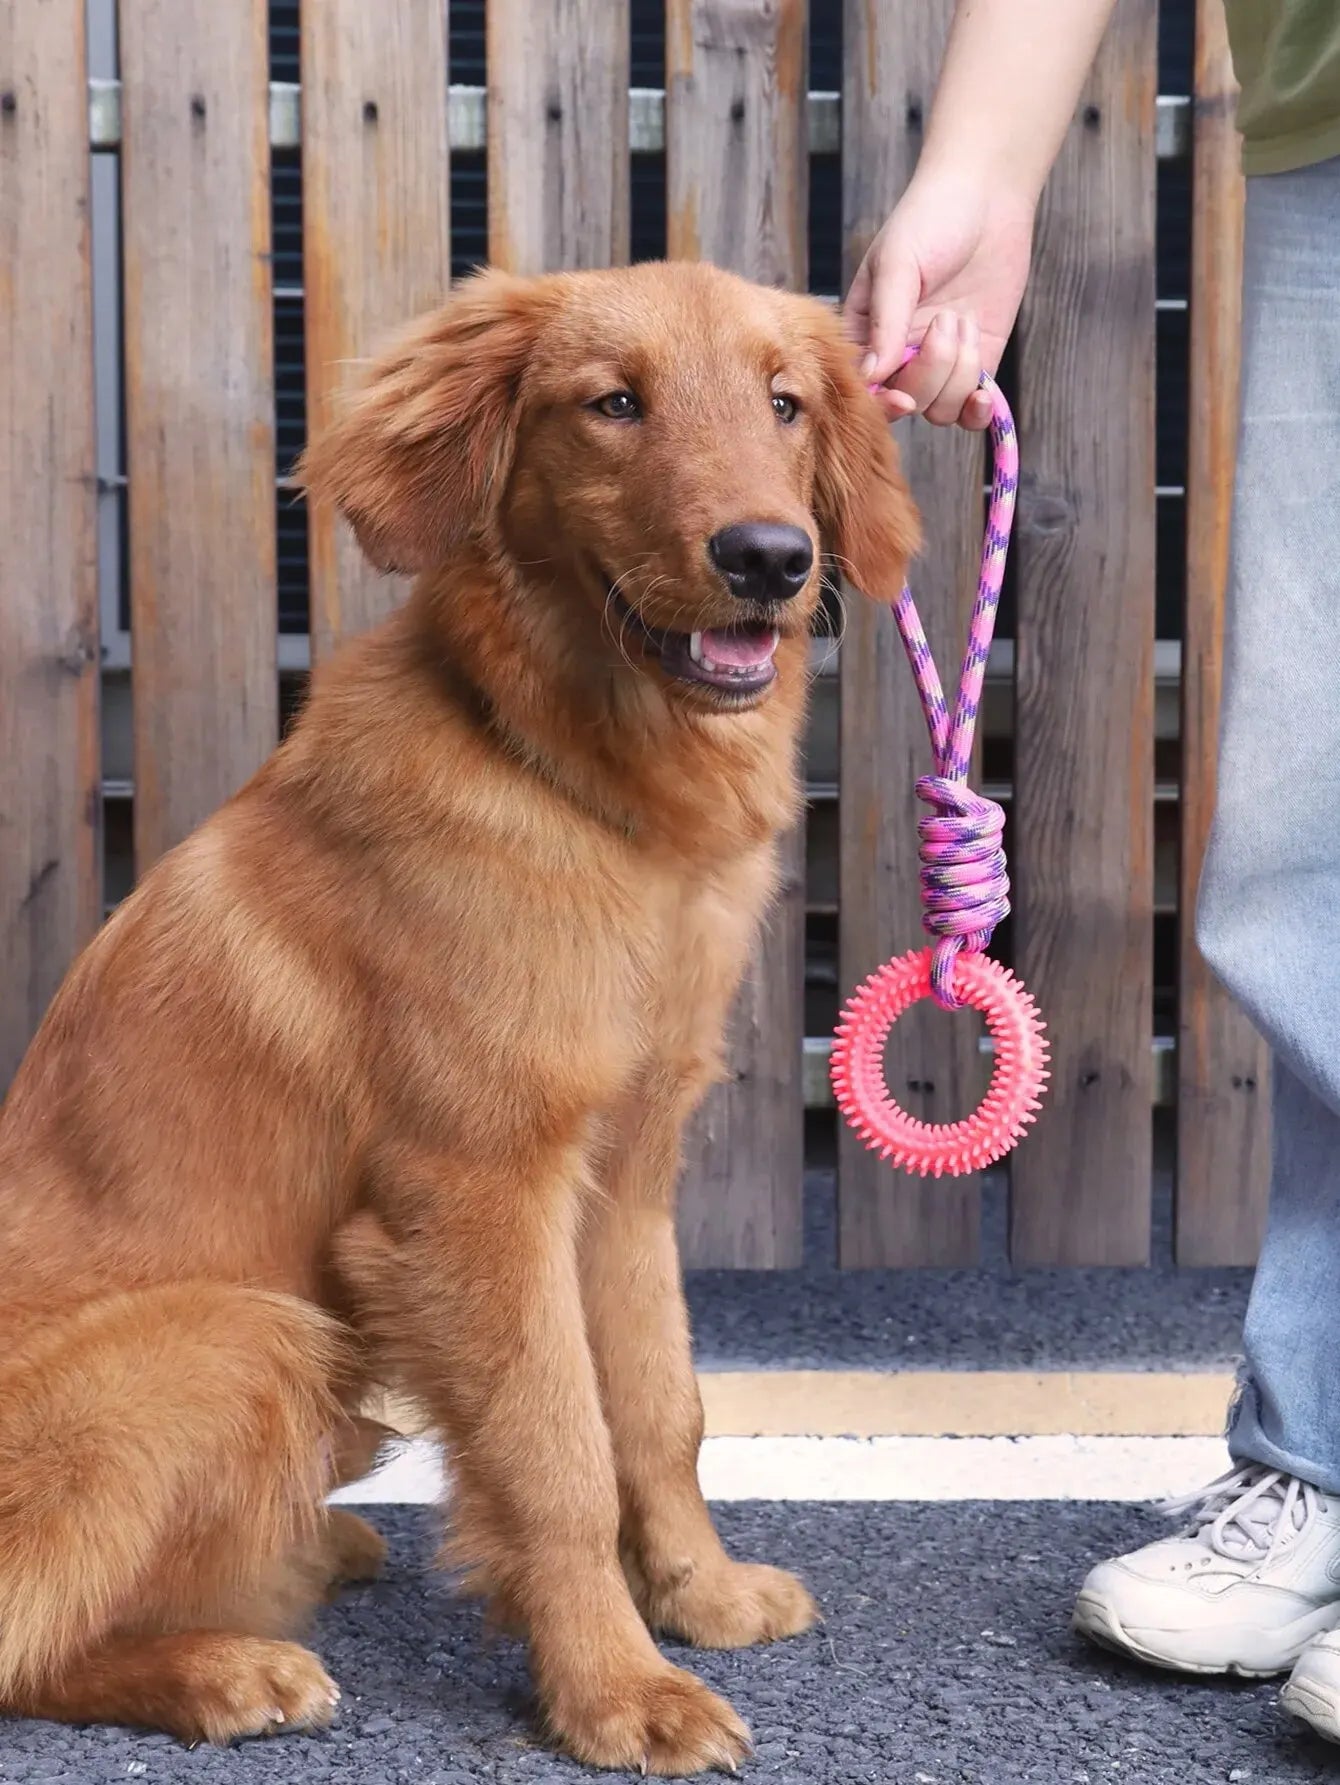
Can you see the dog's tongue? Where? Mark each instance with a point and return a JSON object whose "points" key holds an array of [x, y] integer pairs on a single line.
{"points": [[740, 647]]}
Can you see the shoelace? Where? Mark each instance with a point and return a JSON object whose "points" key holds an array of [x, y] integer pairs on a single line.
{"points": [[1243, 1516]]}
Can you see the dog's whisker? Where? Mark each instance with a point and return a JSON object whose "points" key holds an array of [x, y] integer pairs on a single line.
{"points": [[836, 561], [843, 617], [634, 603], [616, 637]]}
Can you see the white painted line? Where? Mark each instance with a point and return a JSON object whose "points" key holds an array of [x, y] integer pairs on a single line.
{"points": [[1050, 1468], [411, 1477], [1047, 1468]]}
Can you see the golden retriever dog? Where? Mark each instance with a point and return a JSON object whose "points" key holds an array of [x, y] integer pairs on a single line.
{"points": [[379, 1077]]}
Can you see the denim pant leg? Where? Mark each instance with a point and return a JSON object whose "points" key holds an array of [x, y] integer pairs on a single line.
{"points": [[1269, 909]]}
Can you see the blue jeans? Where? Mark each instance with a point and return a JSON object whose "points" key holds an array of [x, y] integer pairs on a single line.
{"points": [[1269, 909]]}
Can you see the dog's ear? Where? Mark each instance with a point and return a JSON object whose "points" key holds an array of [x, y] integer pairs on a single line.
{"points": [[419, 450], [862, 501]]}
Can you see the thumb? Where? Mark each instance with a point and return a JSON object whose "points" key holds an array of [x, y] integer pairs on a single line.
{"points": [[895, 286], [856, 305]]}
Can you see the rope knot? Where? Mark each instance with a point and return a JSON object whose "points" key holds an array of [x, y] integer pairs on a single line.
{"points": [[965, 890]]}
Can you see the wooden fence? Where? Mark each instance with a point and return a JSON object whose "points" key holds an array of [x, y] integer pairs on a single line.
{"points": [[195, 117]]}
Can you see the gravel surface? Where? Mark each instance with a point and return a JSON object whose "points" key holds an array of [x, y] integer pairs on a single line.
{"points": [[995, 1318], [946, 1658]]}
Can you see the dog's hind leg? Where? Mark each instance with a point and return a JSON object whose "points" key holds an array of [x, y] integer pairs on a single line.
{"points": [[354, 1551], [161, 1479], [347, 1550]]}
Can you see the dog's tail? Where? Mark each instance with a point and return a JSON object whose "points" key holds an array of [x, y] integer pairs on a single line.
{"points": [[159, 1449]]}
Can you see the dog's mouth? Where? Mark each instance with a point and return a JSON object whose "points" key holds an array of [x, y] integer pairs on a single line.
{"points": [[737, 660]]}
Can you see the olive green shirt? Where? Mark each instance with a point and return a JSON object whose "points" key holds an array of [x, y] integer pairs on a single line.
{"points": [[1286, 56]]}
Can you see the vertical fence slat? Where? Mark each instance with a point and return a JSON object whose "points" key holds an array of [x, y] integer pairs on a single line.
{"points": [[892, 56], [376, 236], [1223, 1066], [199, 406], [1082, 849], [737, 182], [558, 134], [50, 806]]}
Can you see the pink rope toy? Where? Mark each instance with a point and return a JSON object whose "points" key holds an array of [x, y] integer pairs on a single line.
{"points": [[965, 892]]}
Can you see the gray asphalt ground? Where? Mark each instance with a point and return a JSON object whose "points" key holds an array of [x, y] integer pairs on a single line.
{"points": [[994, 1317], [946, 1658]]}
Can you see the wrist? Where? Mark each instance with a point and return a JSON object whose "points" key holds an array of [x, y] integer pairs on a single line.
{"points": [[1012, 77], [979, 197]]}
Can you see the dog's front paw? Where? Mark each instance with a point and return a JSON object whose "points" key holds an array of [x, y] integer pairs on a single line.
{"points": [[730, 1605], [661, 1720]]}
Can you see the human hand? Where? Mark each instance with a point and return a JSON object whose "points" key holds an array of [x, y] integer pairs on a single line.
{"points": [[947, 271]]}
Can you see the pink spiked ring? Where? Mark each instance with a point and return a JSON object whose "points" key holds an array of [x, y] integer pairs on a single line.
{"points": [[1017, 1078]]}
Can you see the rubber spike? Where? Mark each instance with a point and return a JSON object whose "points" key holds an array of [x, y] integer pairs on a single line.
{"points": [[1018, 1075]]}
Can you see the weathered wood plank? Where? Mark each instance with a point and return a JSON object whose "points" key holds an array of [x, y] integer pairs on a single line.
{"points": [[737, 170], [1082, 851], [376, 236], [892, 57], [1223, 1066], [736, 135], [558, 134], [50, 804], [199, 406]]}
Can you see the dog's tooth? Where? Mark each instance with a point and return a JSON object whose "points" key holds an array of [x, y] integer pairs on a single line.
{"points": [[696, 646]]}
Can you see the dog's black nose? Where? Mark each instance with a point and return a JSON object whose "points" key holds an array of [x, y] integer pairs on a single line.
{"points": [[762, 561]]}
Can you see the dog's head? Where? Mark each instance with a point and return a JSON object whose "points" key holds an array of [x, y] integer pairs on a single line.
{"points": [[657, 452]]}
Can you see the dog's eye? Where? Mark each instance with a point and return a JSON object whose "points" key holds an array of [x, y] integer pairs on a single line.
{"points": [[619, 405], [785, 408]]}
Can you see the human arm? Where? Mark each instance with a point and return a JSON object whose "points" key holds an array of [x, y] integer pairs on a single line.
{"points": [[948, 268]]}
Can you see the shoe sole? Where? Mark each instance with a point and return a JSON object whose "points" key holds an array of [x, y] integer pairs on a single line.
{"points": [[1096, 1618], [1313, 1701]]}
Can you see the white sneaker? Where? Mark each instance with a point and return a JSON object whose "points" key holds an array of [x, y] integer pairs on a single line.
{"points": [[1243, 1590], [1312, 1690]]}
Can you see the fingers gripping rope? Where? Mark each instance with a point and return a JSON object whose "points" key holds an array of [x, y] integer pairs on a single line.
{"points": [[965, 892]]}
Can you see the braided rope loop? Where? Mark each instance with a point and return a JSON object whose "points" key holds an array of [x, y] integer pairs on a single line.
{"points": [[965, 892]]}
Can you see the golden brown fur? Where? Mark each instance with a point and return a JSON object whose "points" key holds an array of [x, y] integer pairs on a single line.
{"points": [[380, 1076]]}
